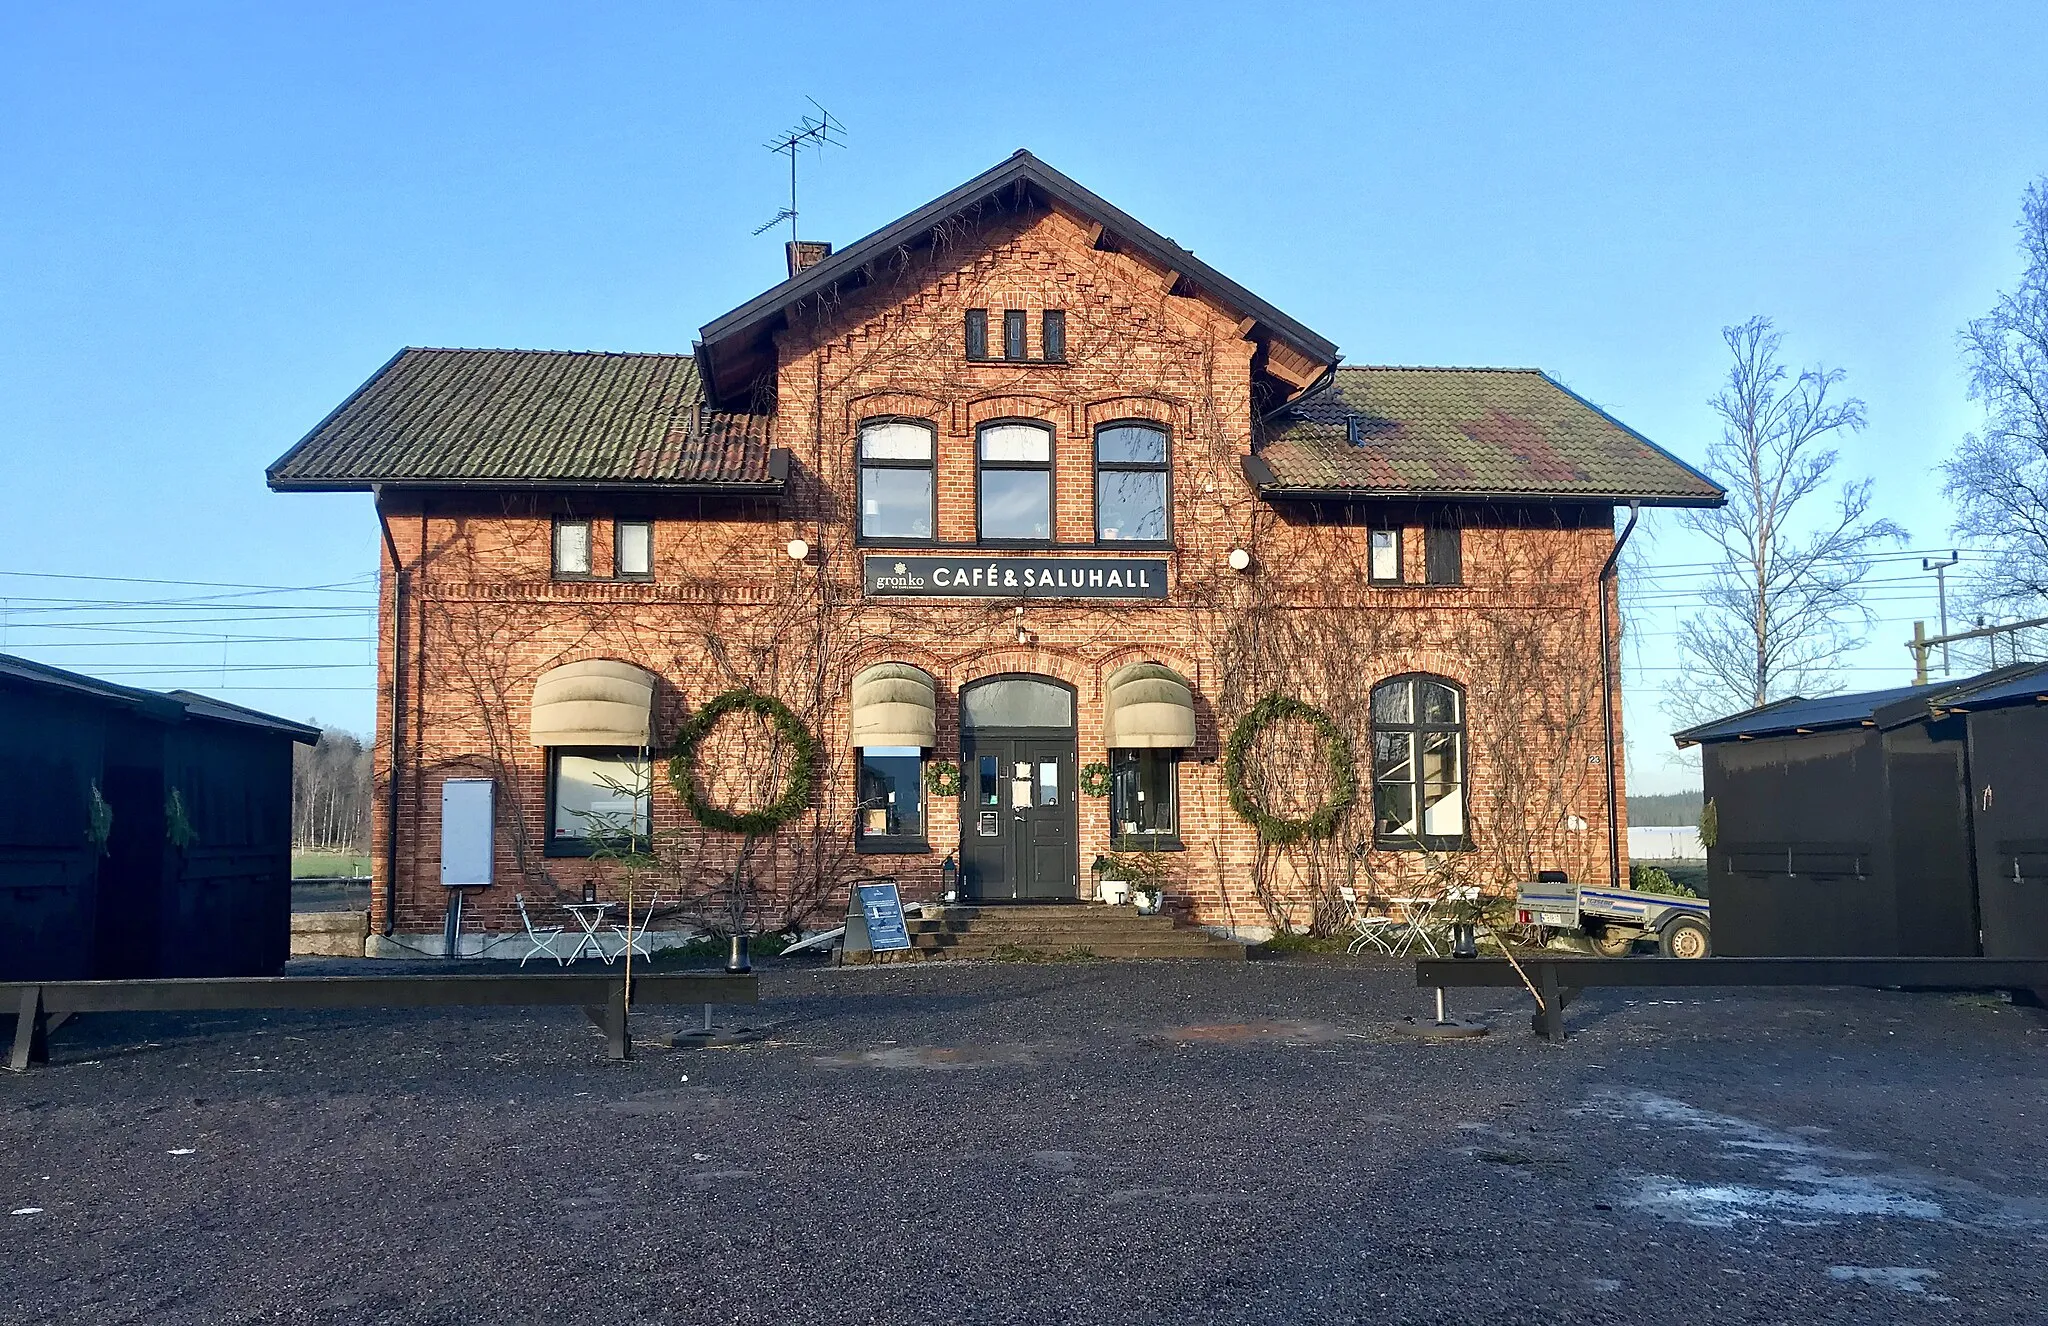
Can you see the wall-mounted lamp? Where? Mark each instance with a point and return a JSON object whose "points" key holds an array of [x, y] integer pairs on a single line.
{"points": [[798, 550], [1240, 560]]}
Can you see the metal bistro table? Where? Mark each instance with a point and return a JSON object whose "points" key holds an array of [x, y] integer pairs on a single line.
{"points": [[589, 915]]}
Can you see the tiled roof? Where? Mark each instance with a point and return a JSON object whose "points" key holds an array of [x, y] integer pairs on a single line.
{"points": [[529, 417], [1468, 432]]}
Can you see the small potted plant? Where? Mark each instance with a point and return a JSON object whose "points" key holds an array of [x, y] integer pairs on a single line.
{"points": [[1143, 875]]}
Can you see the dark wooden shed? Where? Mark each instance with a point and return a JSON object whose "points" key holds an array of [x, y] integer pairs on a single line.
{"points": [[144, 834], [1897, 822]]}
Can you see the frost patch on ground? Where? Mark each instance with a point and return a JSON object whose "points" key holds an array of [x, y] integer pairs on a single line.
{"points": [[1818, 1195], [1793, 1181], [1904, 1279]]}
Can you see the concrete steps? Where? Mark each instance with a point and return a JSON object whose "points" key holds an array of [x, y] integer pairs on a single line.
{"points": [[1059, 931]]}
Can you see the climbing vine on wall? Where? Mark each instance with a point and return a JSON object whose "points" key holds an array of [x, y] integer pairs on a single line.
{"points": [[1336, 748]]}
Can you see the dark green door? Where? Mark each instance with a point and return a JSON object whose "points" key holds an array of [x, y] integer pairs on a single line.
{"points": [[1017, 824]]}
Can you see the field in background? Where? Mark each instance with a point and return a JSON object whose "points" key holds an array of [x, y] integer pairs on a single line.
{"points": [[329, 865]]}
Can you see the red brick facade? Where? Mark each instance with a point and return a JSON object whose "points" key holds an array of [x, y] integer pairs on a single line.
{"points": [[726, 606]]}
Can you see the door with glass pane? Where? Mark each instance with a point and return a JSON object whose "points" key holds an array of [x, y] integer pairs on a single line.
{"points": [[1017, 822]]}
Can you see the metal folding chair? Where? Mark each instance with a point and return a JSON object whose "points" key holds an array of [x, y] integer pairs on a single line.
{"points": [[1366, 931], [632, 940], [542, 938]]}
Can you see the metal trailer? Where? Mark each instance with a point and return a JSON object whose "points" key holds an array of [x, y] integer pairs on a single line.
{"points": [[1614, 919]]}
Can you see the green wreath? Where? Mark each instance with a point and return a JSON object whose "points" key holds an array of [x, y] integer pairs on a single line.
{"points": [[796, 788], [942, 777], [1336, 750], [1095, 779]]}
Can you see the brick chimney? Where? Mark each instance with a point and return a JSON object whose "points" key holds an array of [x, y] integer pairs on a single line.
{"points": [[804, 253]]}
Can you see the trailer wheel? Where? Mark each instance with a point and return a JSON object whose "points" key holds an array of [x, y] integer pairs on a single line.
{"points": [[1686, 937], [1613, 942]]}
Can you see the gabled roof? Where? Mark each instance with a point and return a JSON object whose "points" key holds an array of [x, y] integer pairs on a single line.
{"points": [[1464, 433], [534, 418], [173, 707], [735, 350]]}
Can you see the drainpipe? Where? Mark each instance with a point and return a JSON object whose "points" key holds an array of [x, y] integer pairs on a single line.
{"points": [[1607, 698], [397, 711]]}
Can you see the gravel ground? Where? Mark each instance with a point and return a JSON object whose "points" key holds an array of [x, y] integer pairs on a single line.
{"points": [[1185, 1142]]}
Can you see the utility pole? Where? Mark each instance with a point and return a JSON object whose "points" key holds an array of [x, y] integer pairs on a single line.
{"points": [[1940, 570], [1919, 648]]}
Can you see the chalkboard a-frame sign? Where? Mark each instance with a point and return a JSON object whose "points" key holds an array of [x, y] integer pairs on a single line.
{"points": [[874, 919]]}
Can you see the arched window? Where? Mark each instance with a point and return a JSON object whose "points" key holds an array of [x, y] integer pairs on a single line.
{"points": [[1418, 763], [1016, 483], [1130, 483], [897, 491]]}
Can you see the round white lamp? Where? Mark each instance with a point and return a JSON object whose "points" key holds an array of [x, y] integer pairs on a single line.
{"points": [[798, 550], [1240, 560]]}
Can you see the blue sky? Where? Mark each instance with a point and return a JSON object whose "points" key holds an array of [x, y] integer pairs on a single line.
{"points": [[216, 220]]}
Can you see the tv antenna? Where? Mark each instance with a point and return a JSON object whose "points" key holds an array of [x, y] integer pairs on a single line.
{"points": [[819, 131]]}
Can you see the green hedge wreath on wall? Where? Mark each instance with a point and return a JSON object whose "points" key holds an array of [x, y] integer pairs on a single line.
{"points": [[796, 787], [1322, 822]]}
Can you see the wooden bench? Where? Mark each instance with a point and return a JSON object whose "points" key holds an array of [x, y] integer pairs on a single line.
{"points": [[42, 1007], [1558, 980]]}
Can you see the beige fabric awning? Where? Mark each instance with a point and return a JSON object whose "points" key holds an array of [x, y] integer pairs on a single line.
{"points": [[894, 704], [598, 702], [1149, 706]]}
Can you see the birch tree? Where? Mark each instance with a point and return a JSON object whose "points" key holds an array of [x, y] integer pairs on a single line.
{"points": [[1784, 601], [1998, 477]]}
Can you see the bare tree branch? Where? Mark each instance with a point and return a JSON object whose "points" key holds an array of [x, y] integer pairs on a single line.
{"points": [[1785, 601]]}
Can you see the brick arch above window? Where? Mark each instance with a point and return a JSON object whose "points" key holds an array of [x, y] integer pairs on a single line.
{"points": [[1166, 412], [1043, 409], [895, 405]]}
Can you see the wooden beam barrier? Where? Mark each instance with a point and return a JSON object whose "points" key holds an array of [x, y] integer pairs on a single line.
{"points": [[1559, 980], [41, 1006]]}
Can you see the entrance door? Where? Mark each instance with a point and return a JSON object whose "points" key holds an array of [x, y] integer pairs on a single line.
{"points": [[1017, 822]]}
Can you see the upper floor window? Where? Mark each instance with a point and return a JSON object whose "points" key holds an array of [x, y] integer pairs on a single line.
{"points": [[1013, 334], [1418, 763], [977, 333], [1052, 336], [897, 489], [1443, 555], [1130, 484], [633, 549], [1016, 483], [572, 550], [1385, 553]]}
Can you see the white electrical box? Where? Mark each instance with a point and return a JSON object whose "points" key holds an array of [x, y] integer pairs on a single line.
{"points": [[467, 808]]}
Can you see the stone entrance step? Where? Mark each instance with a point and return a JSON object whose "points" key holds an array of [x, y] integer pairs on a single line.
{"points": [[1061, 930]]}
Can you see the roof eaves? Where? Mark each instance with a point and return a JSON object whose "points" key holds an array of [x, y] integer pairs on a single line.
{"points": [[277, 466], [1720, 495]]}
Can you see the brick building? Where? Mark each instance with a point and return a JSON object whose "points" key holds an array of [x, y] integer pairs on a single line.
{"points": [[1014, 493]]}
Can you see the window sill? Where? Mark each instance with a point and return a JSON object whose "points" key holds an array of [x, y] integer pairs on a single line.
{"points": [[584, 847], [892, 846], [1162, 844], [1427, 844], [1000, 361]]}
